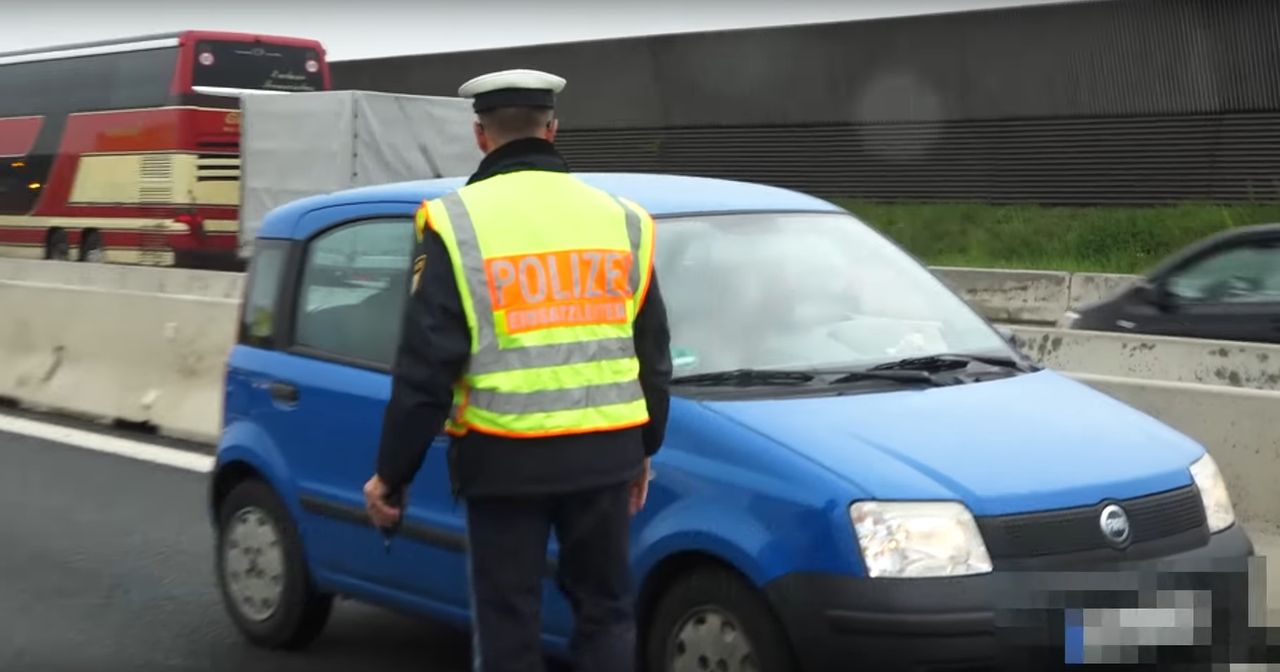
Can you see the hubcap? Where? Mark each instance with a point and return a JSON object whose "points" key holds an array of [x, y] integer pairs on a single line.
{"points": [[94, 255], [710, 640], [253, 564]]}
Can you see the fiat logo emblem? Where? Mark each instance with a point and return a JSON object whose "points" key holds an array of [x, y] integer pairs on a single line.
{"points": [[1115, 525]]}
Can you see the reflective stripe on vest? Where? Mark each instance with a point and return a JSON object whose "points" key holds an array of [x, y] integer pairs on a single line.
{"points": [[518, 386], [548, 401]]}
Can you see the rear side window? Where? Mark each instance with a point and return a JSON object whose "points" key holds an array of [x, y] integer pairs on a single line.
{"points": [[1245, 274], [259, 317], [355, 281]]}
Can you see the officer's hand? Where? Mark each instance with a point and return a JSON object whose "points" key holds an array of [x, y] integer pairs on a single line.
{"points": [[375, 502], [640, 489]]}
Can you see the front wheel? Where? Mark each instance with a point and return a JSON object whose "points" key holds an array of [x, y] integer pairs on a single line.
{"points": [[713, 620], [262, 574]]}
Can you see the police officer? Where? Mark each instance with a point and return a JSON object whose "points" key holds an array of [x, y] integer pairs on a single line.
{"points": [[537, 336]]}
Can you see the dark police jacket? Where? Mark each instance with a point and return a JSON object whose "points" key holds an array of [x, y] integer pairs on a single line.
{"points": [[434, 347]]}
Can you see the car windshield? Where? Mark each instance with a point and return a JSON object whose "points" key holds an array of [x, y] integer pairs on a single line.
{"points": [[805, 291]]}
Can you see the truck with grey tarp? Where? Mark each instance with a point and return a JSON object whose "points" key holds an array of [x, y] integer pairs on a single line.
{"points": [[304, 144]]}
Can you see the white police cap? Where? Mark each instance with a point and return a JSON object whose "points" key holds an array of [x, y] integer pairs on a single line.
{"points": [[513, 88]]}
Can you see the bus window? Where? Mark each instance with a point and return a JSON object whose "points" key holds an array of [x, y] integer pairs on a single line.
{"points": [[257, 65], [138, 80]]}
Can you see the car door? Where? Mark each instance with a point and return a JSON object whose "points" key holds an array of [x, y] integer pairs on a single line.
{"points": [[1231, 293], [351, 284]]}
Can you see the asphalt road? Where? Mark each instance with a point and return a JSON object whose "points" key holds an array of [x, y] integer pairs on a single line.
{"points": [[106, 564]]}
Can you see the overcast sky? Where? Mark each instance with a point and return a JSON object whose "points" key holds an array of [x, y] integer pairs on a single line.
{"points": [[369, 28]]}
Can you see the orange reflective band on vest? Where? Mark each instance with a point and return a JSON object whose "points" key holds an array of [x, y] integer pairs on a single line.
{"points": [[558, 289]]}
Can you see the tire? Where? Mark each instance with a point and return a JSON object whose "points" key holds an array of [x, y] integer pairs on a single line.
{"points": [[57, 247], [91, 249], [719, 600], [276, 606]]}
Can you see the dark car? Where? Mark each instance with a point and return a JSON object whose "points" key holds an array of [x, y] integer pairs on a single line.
{"points": [[1226, 287]]}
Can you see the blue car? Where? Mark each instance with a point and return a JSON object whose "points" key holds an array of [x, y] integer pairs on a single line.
{"points": [[859, 470]]}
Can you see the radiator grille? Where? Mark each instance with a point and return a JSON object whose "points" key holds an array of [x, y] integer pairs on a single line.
{"points": [[1078, 530]]}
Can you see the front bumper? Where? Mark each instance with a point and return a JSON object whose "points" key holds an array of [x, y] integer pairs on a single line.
{"points": [[1009, 619]]}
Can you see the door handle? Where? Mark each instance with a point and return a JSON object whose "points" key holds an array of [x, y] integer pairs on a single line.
{"points": [[285, 393]]}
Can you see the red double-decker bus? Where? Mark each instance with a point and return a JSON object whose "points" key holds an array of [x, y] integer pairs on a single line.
{"points": [[127, 150]]}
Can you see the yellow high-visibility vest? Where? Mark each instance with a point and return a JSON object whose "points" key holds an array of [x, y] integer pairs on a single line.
{"points": [[552, 273]]}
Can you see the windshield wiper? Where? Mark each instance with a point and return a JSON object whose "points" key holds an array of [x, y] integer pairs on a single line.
{"points": [[903, 376], [910, 370], [951, 361], [746, 378]]}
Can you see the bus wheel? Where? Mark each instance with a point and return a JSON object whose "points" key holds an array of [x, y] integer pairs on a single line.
{"points": [[91, 247], [56, 246]]}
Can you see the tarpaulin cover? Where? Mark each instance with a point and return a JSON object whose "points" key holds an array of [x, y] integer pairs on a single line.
{"points": [[304, 144]]}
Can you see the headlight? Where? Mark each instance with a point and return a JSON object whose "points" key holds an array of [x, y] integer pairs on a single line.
{"points": [[1068, 319], [1213, 492], [919, 539]]}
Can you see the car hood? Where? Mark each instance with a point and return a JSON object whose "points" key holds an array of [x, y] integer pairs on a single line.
{"points": [[1025, 443]]}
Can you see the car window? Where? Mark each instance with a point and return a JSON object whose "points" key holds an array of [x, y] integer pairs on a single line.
{"points": [[354, 284], [1245, 274], [811, 291], [258, 317]]}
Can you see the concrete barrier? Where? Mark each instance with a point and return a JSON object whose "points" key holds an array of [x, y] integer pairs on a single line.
{"points": [[1030, 297], [145, 357], [1087, 288], [1037, 297], [179, 282], [1135, 356]]}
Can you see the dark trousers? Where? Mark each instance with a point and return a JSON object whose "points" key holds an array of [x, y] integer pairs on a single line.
{"points": [[507, 564]]}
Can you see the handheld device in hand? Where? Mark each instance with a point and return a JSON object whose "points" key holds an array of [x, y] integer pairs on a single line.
{"points": [[396, 500]]}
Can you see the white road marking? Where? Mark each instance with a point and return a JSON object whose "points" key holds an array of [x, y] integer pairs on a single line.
{"points": [[112, 445]]}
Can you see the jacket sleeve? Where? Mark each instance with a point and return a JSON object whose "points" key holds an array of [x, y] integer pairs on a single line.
{"points": [[653, 349], [435, 344]]}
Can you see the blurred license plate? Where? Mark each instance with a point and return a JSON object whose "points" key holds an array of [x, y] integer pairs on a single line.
{"points": [[1119, 635]]}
